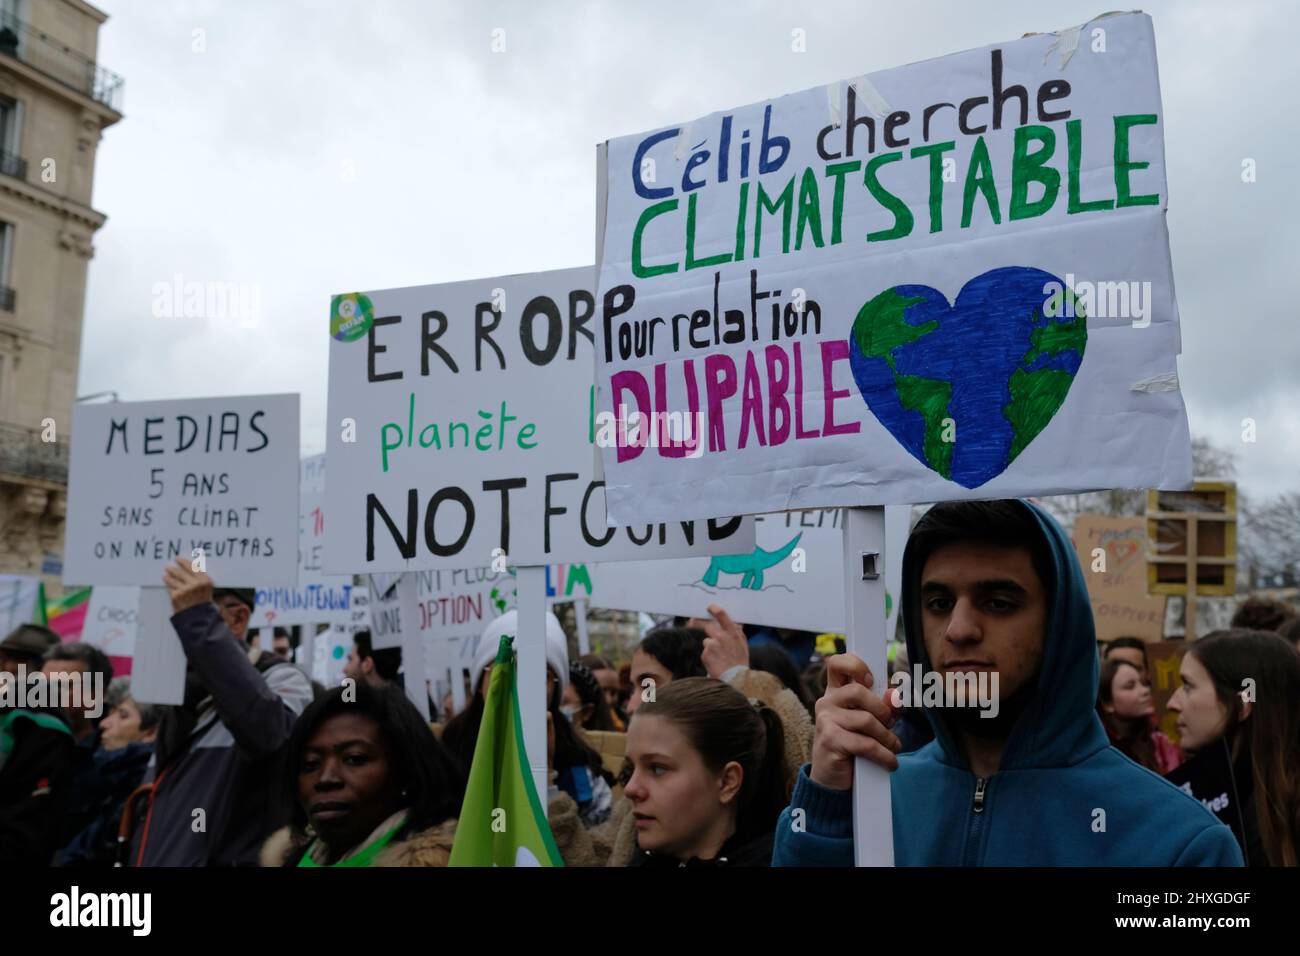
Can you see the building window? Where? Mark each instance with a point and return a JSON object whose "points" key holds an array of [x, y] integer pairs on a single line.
{"points": [[7, 295], [11, 128]]}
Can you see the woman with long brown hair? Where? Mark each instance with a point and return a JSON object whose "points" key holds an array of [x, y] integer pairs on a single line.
{"points": [[1241, 691], [1126, 708], [708, 777]]}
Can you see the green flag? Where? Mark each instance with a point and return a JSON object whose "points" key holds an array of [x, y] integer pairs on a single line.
{"points": [[502, 823]]}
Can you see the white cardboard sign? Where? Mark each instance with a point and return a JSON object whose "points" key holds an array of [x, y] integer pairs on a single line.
{"points": [[793, 577], [111, 620], [152, 481], [946, 280], [462, 429]]}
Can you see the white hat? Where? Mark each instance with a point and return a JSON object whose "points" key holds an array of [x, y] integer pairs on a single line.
{"points": [[557, 647]]}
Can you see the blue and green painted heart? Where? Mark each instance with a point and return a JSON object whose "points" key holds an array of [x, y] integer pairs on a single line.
{"points": [[966, 387]]}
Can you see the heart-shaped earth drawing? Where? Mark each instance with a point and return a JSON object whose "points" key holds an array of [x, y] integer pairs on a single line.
{"points": [[966, 387]]}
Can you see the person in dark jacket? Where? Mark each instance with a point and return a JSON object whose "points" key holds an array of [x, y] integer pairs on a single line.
{"points": [[81, 673], [1127, 710], [1025, 778], [37, 753], [126, 736], [1238, 715], [708, 777], [217, 753]]}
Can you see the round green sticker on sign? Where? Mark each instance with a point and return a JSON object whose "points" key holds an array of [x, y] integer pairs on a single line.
{"points": [[351, 316]]}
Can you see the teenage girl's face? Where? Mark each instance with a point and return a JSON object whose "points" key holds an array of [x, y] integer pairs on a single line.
{"points": [[679, 804], [1202, 717], [1130, 695]]}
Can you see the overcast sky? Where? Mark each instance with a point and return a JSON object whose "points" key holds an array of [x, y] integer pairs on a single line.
{"points": [[317, 147]]}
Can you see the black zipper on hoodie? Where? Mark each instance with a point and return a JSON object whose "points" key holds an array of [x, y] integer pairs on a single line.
{"points": [[975, 827]]}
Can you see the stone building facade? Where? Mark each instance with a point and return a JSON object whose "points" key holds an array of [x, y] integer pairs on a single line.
{"points": [[55, 103]]}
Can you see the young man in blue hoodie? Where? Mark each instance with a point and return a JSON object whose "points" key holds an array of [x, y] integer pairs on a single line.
{"points": [[993, 588]]}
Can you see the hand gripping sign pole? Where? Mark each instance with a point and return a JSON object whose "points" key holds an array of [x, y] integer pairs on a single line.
{"points": [[530, 650], [864, 631]]}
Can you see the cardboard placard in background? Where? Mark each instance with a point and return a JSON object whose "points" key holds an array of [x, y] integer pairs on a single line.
{"points": [[1121, 605]]}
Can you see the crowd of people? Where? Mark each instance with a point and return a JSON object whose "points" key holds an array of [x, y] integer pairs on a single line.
{"points": [[739, 744]]}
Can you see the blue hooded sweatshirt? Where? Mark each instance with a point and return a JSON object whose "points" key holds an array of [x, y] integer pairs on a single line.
{"points": [[1057, 771]]}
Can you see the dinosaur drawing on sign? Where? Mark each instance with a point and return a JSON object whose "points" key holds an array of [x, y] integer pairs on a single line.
{"points": [[751, 564]]}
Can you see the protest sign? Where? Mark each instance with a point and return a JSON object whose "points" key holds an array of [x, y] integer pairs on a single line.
{"points": [[318, 598], [946, 280], [455, 606], [21, 601], [110, 621], [153, 481], [1164, 661], [792, 578], [1112, 552], [461, 432], [394, 622], [331, 647]]}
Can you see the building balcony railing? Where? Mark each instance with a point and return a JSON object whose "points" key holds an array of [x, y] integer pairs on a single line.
{"points": [[23, 453], [8, 298], [59, 61], [11, 164]]}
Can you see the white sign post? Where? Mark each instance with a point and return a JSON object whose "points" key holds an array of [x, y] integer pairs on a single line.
{"points": [[580, 622], [864, 617]]}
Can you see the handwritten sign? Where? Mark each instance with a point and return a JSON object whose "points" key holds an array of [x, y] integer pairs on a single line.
{"points": [[111, 620], [318, 598], [792, 578], [152, 481], [20, 598], [946, 280], [1112, 552], [462, 430]]}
